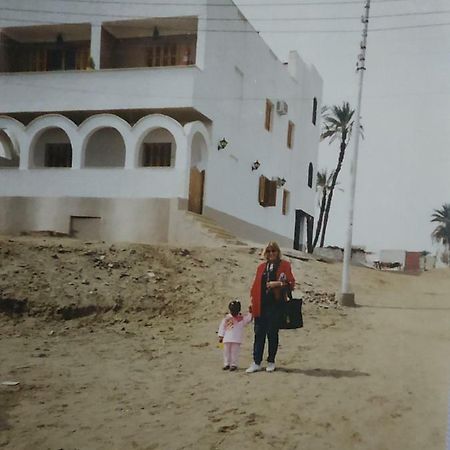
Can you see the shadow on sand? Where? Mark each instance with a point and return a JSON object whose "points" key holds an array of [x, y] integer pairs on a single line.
{"points": [[333, 373]]}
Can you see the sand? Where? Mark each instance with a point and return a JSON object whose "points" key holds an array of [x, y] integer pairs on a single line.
{"points": [[142, 369]]}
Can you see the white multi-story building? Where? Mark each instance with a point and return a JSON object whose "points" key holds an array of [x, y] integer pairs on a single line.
{"points": [[116, 117]]}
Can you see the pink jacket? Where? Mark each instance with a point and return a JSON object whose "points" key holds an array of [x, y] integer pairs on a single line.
{"points": [[231, 328]]}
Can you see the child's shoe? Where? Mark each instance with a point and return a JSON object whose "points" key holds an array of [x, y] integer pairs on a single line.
{"points": [[227, 367], [233, 368]]}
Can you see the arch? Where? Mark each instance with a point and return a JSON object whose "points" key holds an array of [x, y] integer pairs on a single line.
{"points": [[40, 124], [8, 155], [51, 147], [310, 175], [198, 143], [199, 151], [144, 128], [45, 133], [95, 123], [105, 147], [12, 133], [157, 149]]}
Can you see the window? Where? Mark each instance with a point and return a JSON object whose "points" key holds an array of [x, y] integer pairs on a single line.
{"points": [[169, 54], [157, 154], [290, 134], [50, 59], [310, 175], [58, 155], [314, 112], [269, 114], [267, 195], [286, 198]]}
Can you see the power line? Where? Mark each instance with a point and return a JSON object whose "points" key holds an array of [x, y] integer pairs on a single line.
{"points": [[230, 4], [226, 19], [212, 30]]}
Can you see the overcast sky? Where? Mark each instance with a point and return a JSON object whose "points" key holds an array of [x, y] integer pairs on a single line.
{"points": [[404, 161]]}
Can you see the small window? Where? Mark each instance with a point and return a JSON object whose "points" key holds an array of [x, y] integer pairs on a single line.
{"points": [[286, 199], [267, 192], [269, 114], [157, 154], [58, 155], [290, 134], [310, 175], [314, 111]]}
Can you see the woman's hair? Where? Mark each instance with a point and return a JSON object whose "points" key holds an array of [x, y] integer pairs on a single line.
{"points": [[273, 246]]}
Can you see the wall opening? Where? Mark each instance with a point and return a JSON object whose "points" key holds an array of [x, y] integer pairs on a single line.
{"points": [[8, 156], [105, 148], [158, 149], [52, 149]]}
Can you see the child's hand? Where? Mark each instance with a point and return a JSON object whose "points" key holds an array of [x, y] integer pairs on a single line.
{"points": [[220, 339]]}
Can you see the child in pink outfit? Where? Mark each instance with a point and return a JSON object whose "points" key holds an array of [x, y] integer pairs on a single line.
{"points": [[231, 331]]}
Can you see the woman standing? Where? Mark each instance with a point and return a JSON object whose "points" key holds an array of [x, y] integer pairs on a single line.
{"points": [[272, 281]]}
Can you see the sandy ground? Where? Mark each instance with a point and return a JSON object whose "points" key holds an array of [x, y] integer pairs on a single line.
{"points": [[144, 372]]}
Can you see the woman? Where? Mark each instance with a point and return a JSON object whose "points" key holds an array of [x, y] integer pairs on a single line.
{"points": [[272, 281]]}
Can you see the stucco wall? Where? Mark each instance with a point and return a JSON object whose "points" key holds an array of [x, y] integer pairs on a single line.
{"points": [[235, 74]]}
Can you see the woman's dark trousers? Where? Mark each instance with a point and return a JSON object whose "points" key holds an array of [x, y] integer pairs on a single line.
{"points": [[266, 325]]}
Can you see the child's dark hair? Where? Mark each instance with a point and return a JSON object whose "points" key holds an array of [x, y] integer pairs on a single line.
{"points": [[234, 307]]}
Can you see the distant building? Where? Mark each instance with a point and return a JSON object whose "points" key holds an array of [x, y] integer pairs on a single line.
{"points": [[118, 118], [406, 261]]}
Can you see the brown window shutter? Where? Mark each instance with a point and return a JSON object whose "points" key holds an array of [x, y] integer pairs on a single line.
{"points": [[262, 190], [272, 193], [285, 202]]}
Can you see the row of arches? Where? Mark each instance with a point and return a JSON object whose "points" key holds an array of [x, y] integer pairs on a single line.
{"points": [[102, 140]]}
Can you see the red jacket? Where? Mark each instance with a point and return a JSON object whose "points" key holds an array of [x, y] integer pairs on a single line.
{"points": [[255, 292]]}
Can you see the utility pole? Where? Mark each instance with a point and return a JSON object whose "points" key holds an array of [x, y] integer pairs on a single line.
{"points": [[347, 298]]}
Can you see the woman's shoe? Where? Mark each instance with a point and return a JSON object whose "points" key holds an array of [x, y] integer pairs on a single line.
{"points": [[270, 367], [253, 368]]}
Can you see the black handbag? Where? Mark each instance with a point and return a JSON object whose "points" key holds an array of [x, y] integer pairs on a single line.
{"points": [[292, 313]]}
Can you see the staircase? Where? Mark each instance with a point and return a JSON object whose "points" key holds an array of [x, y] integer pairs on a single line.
{"points": [[213, 230]]}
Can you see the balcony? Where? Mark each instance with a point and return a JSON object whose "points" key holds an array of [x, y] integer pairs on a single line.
{"points": [[158, 42], [45, 48], [158, 54]]}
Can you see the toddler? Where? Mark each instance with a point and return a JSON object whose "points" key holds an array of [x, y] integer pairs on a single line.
{"points": [[231, 332]]}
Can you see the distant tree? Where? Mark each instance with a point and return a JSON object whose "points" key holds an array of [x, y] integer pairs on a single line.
{"points": [[441, 233], [323, 185], [337, 123]]}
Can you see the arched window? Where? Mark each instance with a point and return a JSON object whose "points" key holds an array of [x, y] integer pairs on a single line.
{"points": [[314, 111], [310, 175], [158, 149], [52, 149]]}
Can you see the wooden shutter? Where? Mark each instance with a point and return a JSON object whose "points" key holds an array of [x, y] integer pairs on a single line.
{"points": [[268, 118], [290, 134], [262, 190], [271, 193], [285, 206]]}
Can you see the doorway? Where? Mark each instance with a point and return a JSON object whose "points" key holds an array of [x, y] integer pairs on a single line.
{"points": [[196, 190], [303, 231]]}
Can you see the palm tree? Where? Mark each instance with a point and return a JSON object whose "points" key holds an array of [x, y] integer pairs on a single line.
{"points": [[323, 185], [337, 123], [441, 233]]}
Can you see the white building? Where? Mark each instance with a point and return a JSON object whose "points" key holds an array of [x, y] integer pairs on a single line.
{"points": [[113, 115]]}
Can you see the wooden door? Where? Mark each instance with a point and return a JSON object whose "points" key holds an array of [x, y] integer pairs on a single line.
{"points": [[196, 185]]}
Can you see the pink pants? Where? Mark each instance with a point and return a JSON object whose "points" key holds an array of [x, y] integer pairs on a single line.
{"points": [[231, 353]]}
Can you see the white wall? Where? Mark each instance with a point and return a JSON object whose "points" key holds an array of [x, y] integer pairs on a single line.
{"points": [[235, 74], [240, 73]]}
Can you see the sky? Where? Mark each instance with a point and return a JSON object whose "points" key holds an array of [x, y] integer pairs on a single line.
{"points": [[403, 169]]}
